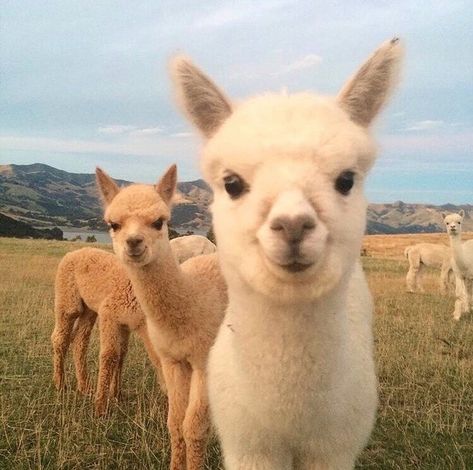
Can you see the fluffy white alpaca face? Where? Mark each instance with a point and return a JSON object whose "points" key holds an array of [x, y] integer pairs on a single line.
{"points": [[287, 175], [453, 223], [137, 218]]}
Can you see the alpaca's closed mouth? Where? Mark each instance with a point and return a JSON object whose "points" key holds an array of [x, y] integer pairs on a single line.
{"points": [[296, 267], [136, 256]]}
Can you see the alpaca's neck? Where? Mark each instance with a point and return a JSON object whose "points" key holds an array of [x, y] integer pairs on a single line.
{"points": [[161, 288], [458, 251], [251, 313]]}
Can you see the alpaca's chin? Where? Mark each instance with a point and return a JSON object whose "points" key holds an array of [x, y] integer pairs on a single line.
{"points": [[292, 282]]}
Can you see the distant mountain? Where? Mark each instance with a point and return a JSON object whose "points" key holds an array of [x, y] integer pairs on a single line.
{"points": [[10, 227], [43, 196]]}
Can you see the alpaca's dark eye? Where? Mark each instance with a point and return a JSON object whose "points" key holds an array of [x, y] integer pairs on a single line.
{"points": [[114, 226], [158, 224], [344, 182], [235, 186]]}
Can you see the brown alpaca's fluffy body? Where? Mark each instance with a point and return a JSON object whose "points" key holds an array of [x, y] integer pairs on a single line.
{"points": [[91, 283], [183, 304]]}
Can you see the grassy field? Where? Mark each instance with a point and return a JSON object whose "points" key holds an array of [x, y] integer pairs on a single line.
{"points": [[425, 365]]}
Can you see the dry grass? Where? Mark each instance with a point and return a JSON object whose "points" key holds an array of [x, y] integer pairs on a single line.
{"points": [[425, 364]]}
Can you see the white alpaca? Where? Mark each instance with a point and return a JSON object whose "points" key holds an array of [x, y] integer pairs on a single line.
{"points": [[462, 262], [292, 381], [191, 245], [427, 255]]}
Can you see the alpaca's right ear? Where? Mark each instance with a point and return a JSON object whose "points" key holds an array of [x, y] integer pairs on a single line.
{"points": [[461, 213], [167, 184], [107, 187], [443, 214], [206, 106], [368, 90]]}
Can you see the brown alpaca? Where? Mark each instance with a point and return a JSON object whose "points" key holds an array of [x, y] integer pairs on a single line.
{"points": [[91, 283], [183, 304]]}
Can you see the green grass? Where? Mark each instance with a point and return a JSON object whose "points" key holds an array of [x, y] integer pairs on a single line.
{"points": [[425, 366]]}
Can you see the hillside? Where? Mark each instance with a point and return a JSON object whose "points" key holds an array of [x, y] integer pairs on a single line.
{"points": [[44, 196]]}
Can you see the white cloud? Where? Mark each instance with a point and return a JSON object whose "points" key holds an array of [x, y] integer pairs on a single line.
{"points": [[426, 125], [147, 131], [238, 12], [310, 60], [115, 129], [184, 135], [159, 145]]}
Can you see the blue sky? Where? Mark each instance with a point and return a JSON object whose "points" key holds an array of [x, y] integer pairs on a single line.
{"points": [[85, 83]]}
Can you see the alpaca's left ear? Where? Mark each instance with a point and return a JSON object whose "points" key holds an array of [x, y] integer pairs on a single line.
{"points": [[167, 184], [364, 94], [206, 106], [107, 187], [461, 213]]}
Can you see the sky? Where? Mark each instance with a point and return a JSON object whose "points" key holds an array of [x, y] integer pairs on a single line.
{"points": [[85, 82]]}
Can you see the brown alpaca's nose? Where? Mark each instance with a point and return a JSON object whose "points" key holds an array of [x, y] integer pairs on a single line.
{"points": [[293, 229], [134, 242]]}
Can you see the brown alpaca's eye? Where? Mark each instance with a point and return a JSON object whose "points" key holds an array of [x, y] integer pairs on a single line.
{"points": [[114, 226], [235, 185], [345, 182], [158, 224]]}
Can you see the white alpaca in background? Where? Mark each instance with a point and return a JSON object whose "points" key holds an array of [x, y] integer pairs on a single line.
{"points": [[462, 262], [189, 246], [292, 381], [429, 255]]}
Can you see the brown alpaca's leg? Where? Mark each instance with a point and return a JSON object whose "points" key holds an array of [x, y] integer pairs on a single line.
{"points": [[153, 357], [61, 338], [108, 361], [177, 376], [117, 376], [197, 421], [80, 343]]}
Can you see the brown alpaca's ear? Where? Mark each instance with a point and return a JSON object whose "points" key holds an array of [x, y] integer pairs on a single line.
{"points": [[202, 101], [167, 184], [461, 213], [107, 187], [368, 90]]}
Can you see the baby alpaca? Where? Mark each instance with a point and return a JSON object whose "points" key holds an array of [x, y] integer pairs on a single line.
{"points": [[462, 263], [91, 282], [291, 375], [191, 245], [183, 304], [430, 255]]}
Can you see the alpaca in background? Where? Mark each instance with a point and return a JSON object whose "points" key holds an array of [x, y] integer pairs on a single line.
{"points": [[183, 304], [189, 246], [91, 283], [292, 381], [462, 262], [429, 255]]}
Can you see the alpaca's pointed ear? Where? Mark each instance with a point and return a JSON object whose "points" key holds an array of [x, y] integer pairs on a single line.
{"points": [[461, 213], [443, 214], [206, 106], [166, 186], [107, 187], [368, 90]]}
